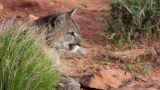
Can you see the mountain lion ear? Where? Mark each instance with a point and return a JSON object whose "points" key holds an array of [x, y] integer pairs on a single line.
{"points": [[72, 12], [60, 19]]}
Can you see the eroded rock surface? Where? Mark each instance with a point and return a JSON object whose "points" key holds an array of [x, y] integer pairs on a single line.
{"points": [[149, 85], [104, 79]]}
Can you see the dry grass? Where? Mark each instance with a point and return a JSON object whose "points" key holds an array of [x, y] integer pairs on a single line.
{"points": [[23, 64]]}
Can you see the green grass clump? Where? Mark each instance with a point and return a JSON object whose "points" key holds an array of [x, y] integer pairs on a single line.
{"points": [[23, 65], [128, 20]]}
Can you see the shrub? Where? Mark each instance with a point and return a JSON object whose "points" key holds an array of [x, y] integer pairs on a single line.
{"points": [[129, 19], [23, 65]]}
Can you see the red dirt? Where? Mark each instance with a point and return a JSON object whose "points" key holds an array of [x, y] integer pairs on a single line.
{"points": [[89, 11]]}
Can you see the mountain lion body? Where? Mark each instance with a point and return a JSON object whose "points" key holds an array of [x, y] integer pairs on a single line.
{"points": [[61, 32]]}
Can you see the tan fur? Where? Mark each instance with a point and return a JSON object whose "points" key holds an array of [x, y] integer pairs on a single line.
{"points": [[64, 34]]}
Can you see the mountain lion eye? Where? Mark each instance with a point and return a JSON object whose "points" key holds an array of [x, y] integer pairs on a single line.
{"points": [[71, 33]]}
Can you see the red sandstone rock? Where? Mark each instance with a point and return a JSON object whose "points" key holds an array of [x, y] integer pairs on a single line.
{"points": [[105, 78]]}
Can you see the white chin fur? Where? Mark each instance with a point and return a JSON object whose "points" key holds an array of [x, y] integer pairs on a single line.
{"points": [[80, 50], [75, 49]]}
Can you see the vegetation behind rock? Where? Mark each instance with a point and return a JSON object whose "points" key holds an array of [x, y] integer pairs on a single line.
{"points": [[131, 19]]}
